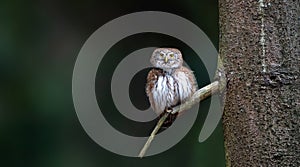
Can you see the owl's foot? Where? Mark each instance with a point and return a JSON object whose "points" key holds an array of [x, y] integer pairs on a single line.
{"points": [[169, 110], [170, 119]]}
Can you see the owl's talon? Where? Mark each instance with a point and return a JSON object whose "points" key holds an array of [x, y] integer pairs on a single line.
{"points": [[170, 119], [169, 110]]}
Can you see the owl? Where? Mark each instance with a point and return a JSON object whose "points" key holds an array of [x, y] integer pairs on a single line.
{"points": [[169, 83]]}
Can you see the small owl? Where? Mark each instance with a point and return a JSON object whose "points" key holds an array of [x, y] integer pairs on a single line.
{"points": [[169, 83]]}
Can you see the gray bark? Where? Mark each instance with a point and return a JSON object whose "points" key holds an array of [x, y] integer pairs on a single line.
{"points": [[259, 44]]}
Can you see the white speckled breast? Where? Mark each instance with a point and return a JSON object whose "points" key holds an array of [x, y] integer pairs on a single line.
{"points": [[170, 90]]}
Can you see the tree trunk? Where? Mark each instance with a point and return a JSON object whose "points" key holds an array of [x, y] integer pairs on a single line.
{"points": [[259, 43]]}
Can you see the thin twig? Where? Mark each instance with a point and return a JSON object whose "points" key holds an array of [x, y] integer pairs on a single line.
{"points": [[151, 137], [198, 96]]}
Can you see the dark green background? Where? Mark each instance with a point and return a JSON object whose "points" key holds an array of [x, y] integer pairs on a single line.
{"points": [[39, 43]]}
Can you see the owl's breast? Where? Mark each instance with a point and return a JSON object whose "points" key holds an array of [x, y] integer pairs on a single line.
{"points": [[165, 92]]}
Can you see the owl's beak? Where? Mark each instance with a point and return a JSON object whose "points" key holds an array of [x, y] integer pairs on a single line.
{"points": [[166, 59]]}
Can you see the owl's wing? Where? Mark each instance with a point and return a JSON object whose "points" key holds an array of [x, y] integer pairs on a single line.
{"points": [[187, 84], [152, 78]]}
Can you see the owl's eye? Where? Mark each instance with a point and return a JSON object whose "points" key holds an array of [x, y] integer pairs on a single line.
{"points": [[171, 55], [161, 55]]}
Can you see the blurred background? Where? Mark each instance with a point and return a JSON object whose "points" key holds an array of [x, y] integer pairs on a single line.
{"points": [[39, 44]]}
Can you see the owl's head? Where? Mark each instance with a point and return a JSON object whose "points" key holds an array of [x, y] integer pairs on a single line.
{"points": [[166, 58]]}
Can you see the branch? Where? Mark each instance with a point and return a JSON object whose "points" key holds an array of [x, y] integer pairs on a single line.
{"points": [[151, 137], [198, 96]]}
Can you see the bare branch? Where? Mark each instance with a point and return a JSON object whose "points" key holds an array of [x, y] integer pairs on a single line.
{"points": [[151, 137]]}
